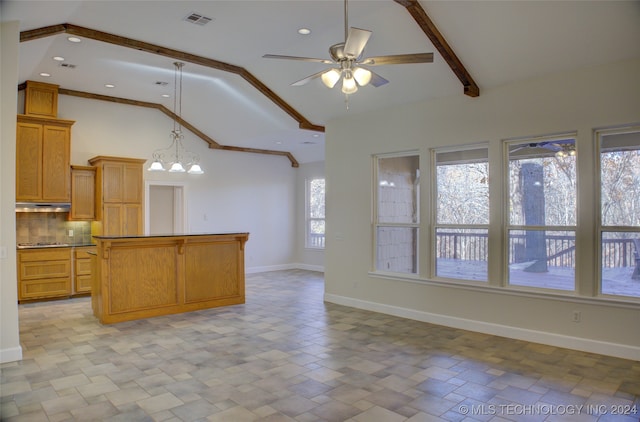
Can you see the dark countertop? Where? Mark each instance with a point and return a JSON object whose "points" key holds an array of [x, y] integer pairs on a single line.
{"points": [[64, 245], [146, 236]]}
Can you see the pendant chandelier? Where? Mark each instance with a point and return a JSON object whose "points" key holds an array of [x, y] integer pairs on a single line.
{"points": [[176, 158]]}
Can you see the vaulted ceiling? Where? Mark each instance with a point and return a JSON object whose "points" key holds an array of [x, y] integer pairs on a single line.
{"points": [[238, 100]]}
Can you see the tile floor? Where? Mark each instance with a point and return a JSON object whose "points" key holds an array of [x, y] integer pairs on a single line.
{"points": [[287, 356]]}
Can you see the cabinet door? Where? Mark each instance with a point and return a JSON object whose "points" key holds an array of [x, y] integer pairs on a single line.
{"points": [[56, 169], [132, 219], [113, 220], [112, 182], [132, 183], [83, 187], [28, 162]]}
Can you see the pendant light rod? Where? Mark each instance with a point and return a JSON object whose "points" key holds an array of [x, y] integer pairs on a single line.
{"points": [[176, 158], [346, 21]]}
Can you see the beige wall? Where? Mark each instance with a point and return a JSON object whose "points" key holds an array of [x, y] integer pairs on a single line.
{"points": [[10, 349], [579, 100]]}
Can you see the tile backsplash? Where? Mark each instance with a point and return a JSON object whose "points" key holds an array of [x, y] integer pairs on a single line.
{"points": [[39, 227]]}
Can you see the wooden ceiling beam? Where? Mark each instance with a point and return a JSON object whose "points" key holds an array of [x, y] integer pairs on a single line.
{"points": [[437, 39], [303, 122], [212, 143]]}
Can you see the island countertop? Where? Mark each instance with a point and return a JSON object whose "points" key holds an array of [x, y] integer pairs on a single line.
{"points": [[144, 236], [142, 276]]}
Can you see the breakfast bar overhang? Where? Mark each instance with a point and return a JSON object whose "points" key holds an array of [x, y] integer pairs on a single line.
{"points": [[144, 276]]}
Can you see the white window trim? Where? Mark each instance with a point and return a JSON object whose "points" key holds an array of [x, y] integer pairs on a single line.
{"points": [[308, 219]]}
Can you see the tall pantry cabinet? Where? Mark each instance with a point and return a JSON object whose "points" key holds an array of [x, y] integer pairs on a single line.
{"points": [[119, 196]]}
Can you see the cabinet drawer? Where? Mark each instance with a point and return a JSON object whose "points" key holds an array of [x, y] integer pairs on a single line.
{"points": [[51, 287], [83, 283], [83, 252], [83, 266], [32, 270], [44, 255]]}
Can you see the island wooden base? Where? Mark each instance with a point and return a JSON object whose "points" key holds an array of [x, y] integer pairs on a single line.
{"points": [[146, 276]]}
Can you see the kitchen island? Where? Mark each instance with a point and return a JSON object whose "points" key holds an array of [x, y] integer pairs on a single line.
{"points": [[142, 276]]}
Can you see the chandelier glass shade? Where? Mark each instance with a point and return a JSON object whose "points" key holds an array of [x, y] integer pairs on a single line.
{"points": [[176, 158]]}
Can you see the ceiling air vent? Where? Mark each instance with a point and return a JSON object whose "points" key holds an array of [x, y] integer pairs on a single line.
{"points": [[198, 19], [161, 83], [68, 65]]}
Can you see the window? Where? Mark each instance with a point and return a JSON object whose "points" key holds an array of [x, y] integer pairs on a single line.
{"points": [[619, 165], [462, 213], [315, 223], [542, 212], [396, 215]]}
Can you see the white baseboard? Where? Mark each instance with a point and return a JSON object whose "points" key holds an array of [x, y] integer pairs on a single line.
{"points": [[10, 355], [576, 343]]}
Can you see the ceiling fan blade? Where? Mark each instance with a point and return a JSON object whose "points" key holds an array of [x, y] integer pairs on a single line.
{"points": [[304, 59], [399, 59], [377, 80], [357, 39], [308, 78]]}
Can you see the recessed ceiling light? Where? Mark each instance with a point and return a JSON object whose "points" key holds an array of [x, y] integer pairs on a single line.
{"points": [[304, 31], [166, 95], [58, 58], [110, 85], [44, 74], [74, 39], [278, 142]]}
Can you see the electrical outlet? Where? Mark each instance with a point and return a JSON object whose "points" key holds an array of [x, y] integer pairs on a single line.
{"points": [[70, 233], [577, 316], [3, 252]]}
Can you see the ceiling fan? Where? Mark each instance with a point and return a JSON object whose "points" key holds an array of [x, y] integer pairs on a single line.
{"points": [[349, 63]]}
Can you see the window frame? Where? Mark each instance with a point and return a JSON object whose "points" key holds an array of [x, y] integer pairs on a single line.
{"points": [[375, 219], [601, 229], [508, 227], [433, 231], [309, 219]]}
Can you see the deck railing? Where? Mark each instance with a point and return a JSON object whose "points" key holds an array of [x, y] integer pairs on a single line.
{"points": [[560, 249], [316, 240]]}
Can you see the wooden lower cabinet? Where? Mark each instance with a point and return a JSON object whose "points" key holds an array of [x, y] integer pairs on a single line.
{"points": [[50, 273], [82, 266], [44, 273], [147, 276]]}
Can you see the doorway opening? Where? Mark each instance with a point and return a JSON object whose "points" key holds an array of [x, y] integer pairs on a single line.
{"points": [[165, 205]]}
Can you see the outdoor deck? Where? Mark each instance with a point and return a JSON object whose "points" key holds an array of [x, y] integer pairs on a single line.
{"points": [[615, 281]]}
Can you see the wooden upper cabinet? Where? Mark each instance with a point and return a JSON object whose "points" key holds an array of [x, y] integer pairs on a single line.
{"points": [[119, 195], [83, 193], [132, 183], [41, 99], [56, 165], [43, 148], [28, 161]]}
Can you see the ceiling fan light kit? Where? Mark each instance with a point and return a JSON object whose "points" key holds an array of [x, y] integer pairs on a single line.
{"points": [[348, 58]]}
